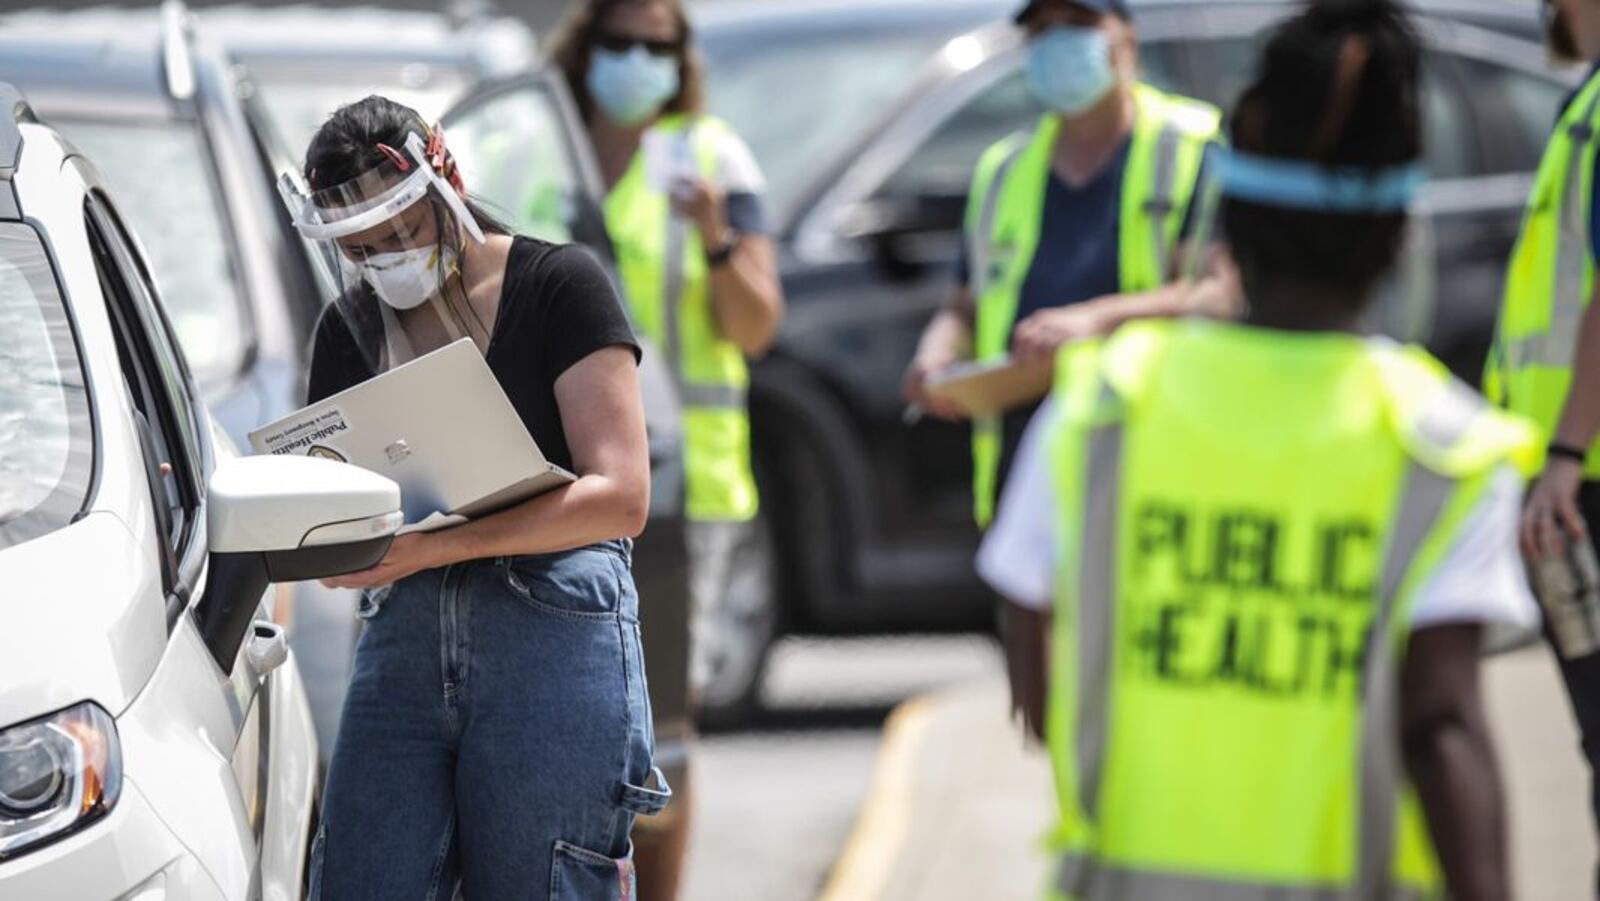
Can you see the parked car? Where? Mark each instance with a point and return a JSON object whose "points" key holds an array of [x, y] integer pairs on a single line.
{"points": [[307, 60], [874, 516], [173, 123], [185, 142], [155, 738]]}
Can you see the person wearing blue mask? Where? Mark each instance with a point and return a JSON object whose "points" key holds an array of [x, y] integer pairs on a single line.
{"points": [[1075, 228], [684, 211]]}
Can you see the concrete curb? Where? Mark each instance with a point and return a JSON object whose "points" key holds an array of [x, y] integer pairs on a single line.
{"points": [[884, 824]]}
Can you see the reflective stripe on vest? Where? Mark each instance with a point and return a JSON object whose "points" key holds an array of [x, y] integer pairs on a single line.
{"points": [[1550, 279], [667, 285], [1105, 668], [1158, 186]]}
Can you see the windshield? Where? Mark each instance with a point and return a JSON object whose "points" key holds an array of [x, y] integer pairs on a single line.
{"points": [[46, 443], [162, 180], [851, 76], [300, 99]]}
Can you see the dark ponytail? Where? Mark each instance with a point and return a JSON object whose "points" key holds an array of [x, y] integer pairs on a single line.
{"points": [[347, 145], [1338, 85]]}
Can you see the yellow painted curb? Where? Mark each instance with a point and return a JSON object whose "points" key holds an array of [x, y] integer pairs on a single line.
{"points": [[884, 823]]}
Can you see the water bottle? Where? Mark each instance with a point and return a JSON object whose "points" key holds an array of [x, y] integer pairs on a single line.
{"points": [[1569, 591]]}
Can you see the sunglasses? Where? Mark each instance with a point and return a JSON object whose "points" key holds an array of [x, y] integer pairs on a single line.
{"points": [[622, 43]]}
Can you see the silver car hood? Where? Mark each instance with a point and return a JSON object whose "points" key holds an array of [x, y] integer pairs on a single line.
{"points": [[82, 617]]}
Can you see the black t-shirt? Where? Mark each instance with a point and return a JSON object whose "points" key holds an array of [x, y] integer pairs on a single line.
{"points": [[557, 306]]}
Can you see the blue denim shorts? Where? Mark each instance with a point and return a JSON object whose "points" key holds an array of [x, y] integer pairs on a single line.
{"points": [[497, 731]]}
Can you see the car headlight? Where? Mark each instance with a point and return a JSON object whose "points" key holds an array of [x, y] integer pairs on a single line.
{"points": [[57, 774]]}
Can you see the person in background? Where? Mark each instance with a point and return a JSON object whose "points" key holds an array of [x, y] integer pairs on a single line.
{"points": [[497, 727], [1074, 228], [1545, 361], [1070, 231], [1271, 547], [699, 274], [684, 210]]}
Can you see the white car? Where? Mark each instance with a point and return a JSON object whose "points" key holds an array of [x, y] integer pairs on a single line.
{"points": [[155, 741]]}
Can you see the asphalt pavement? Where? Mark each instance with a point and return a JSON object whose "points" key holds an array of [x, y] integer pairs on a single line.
{"points": [[807, 801], [778, 801], [816, 803]]}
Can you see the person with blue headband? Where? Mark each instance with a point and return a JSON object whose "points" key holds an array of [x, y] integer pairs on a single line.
{"points": [[1545, 360], [1269, 548]]}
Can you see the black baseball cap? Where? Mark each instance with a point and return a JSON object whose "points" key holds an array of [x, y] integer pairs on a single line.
{"points": [[1118, 8]]}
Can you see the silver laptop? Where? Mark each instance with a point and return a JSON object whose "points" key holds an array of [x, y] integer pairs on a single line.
{"points": [[439, 425]]}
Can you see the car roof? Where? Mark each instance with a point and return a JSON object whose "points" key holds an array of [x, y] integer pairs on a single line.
{"points": [[717, 15], [107, 62], [483, 43]]}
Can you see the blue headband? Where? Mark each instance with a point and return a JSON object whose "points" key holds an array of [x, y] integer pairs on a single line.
{"points": [[1303, 185]]}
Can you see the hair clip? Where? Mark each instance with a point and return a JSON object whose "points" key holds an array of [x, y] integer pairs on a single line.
{"points": [[396, 157]]}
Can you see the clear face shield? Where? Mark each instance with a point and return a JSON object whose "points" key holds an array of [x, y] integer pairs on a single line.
{"points": [[395, 236]]}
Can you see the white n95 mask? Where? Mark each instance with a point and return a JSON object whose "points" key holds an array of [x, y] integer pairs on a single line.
{"points": [[407, 278]]}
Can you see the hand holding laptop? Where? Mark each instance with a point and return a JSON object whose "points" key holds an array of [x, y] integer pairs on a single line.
{"points": [[440, 426]]}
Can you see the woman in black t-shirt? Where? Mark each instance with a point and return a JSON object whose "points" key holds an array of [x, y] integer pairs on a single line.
{"points": [[497, 728]]}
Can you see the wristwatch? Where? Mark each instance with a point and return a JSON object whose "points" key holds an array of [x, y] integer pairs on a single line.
{"points": [[722, 253]]}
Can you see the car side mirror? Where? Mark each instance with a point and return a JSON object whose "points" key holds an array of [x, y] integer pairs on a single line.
{"points": [[908, 234], [286, 519]]}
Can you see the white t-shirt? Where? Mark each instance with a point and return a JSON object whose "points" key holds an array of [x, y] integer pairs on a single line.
{"points": [[1481, 579]]}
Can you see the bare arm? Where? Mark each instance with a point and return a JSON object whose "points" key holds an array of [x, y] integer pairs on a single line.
{"points": [[1215, 294], [1447, 751], [603, 418], [1553, 501], [747, 296]]}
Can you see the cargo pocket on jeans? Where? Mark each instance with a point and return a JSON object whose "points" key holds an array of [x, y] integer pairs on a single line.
{"points": [[578, 874], [647, 802]]}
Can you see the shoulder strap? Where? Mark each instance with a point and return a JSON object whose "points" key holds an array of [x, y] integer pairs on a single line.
{"points": [[1181, 126], [984, 205]]}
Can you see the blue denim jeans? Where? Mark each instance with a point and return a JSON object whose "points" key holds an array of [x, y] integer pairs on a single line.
{"points": [[497, 730]]}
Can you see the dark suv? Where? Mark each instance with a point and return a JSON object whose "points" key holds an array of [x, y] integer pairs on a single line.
{"points": [[874, 517]]}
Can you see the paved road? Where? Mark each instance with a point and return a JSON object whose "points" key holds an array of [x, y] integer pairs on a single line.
{"points": [[777, 802]]}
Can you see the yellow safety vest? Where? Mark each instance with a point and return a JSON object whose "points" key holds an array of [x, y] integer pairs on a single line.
{"points": [[1006, 207], [1244, 519], [668, 287], [1550, 279]]}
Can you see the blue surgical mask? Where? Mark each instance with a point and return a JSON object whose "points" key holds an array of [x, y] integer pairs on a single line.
{"points": [[633, 86], [1069, 69]]}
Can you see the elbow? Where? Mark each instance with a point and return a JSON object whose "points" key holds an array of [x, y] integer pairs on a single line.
{"points": [[756, 347], [633, 513], [758, 342]]}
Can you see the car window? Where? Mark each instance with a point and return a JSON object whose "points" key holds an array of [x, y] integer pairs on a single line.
{"points": [[1529, 104], [46, 437], [800, 98], [299, 98], [515, 153], [163, 177], [942, 166], [1226, 66], [155, 376]]}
